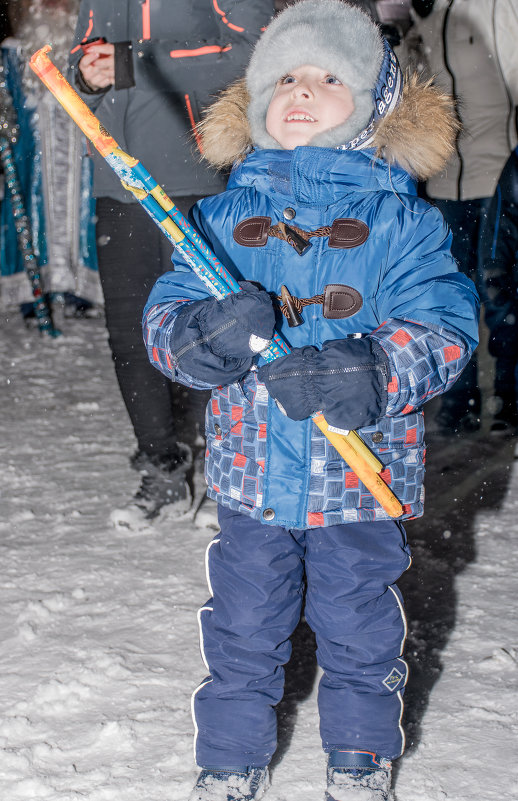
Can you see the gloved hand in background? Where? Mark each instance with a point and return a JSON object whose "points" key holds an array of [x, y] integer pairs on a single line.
{"points": [[346, 380], [215, 340]]}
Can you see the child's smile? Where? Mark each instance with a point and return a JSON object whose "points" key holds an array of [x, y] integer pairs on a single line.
{"points": [[299, 116], [306, 102]]}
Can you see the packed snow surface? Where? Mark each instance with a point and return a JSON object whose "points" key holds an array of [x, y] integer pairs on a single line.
{"points": [[99, 636]]}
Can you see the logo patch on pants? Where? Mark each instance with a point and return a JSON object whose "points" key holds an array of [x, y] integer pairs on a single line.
{"points": [[393, 679]]}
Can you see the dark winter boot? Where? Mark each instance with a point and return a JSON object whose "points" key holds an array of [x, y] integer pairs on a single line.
{"points": [[230, 784], [358, 776], [505, 419], [164, 481]]}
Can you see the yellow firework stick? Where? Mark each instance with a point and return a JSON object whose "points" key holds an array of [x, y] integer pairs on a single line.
{"points": [[361, 466]]}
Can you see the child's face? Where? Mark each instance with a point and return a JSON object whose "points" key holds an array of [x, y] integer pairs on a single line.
{"points": [[305, 103]]}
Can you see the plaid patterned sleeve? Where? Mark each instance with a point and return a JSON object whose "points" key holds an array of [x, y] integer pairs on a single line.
{"points": [[157, 327], [425, 361]]}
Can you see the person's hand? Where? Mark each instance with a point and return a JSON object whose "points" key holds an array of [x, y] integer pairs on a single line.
{"points": [[346, 380], [98, 66], [215, 340]]}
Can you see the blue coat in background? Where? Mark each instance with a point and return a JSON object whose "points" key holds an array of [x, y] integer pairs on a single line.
{"points": [[55, 174]]}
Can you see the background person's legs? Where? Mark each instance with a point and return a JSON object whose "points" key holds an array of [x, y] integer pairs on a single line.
{"points": [[505, 418], [461, 405], [132, 254]]}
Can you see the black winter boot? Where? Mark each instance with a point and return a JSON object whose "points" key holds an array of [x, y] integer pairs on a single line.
{"points": [[164, 481], [505, 418], [230, 784], [358, 776]]}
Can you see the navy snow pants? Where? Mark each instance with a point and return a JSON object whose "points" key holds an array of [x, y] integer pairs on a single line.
{"points": [[256, 578]]}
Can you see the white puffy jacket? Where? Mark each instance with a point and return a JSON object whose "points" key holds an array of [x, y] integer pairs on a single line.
{"points": [[471, 48]]}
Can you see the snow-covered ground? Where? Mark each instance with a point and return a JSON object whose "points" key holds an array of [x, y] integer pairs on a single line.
{"points": [[98, 626]]}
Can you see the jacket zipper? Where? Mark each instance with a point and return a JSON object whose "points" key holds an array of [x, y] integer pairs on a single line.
{"points": [[193, 123], [202, 340], [362, 368]]}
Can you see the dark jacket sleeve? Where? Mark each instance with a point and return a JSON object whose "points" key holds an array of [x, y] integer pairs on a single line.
{"points": [[499, 263]]}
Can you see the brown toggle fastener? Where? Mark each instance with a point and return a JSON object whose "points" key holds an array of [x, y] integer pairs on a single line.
{"points": [[338, 300], [292, 313], [300, 244]]}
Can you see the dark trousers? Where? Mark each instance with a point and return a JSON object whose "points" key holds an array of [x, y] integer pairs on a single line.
{"points": [[132, 254], [505, 387], [465, 218], [256, 575]]}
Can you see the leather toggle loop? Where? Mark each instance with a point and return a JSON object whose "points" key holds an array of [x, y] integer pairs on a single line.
{"points": [[296, 237], [338, 301], [341, 301], [348, 233], [344, 233], [252, 232]]}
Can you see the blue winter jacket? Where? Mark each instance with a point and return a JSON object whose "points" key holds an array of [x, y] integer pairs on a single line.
{"points": [[412, 300]]}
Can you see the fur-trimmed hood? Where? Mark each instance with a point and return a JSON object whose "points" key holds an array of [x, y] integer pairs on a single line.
{"points": [[345, 42], [419, 135]]}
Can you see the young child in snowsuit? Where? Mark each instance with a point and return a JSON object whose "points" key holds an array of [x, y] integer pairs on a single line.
{"points": [[326, 140]]}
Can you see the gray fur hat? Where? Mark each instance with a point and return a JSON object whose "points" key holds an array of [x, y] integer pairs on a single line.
{"points": [[339, 38]]}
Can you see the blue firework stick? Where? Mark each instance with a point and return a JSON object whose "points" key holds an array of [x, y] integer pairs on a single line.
{"points": [[194, 249]]}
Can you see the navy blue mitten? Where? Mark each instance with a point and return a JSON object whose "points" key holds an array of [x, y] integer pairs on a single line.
{"points": [[215, 340], [346, 380]]}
